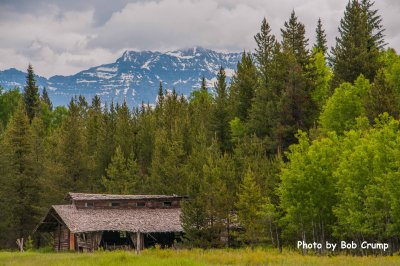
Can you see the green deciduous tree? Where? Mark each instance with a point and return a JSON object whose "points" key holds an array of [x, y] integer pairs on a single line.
{"points": [[308, 188], [367, 183], [346, 104], [321, 76]]}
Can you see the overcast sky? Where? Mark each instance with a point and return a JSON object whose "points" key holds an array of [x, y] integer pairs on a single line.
{"points": [[64, 37]]}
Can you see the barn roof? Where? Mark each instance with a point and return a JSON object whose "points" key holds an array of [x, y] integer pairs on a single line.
{"points": [[131, 220], [87, 196]]}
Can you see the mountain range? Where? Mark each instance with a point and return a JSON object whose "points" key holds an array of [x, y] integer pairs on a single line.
{"points": [[134, 77]]}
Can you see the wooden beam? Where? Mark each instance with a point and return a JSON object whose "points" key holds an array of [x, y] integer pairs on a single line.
{"points": [[138, 242], [71, 241], [55, 217]]}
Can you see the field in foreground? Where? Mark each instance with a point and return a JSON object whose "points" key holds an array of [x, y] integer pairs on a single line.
{"points": [[186, 257]]}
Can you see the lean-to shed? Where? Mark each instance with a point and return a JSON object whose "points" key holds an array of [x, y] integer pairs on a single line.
{"points": [[93, 221]]}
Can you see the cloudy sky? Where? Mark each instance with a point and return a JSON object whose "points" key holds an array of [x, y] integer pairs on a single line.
{"points": [[64, 37]]}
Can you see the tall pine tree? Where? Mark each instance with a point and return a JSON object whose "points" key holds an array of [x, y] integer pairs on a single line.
{"points": [[294, 40], [243, 86], [320, 39], [46, 99], [265, 49], [262, 112], [358, 44], [220, 113], [31, 94], [121, 174], [22, 188]]}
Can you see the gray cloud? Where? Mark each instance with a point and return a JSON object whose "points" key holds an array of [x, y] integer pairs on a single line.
{"points": [[63, 37]]}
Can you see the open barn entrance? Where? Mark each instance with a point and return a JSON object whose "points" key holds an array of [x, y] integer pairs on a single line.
{"points": [[112, 240], [165, 240]]}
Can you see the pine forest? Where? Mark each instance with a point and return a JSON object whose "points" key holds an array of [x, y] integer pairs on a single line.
{"points": [[302, 144]]}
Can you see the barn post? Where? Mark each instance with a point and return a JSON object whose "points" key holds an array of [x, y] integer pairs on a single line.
{"points": [[138, 242], [59, 237], [71, 241]]}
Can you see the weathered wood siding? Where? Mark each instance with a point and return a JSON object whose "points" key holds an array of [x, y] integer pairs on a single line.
{"points": [[127, 204], [88, 241], [61, 238]]}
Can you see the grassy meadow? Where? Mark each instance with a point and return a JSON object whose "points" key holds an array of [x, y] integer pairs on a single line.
{"points": [[186, 257]]}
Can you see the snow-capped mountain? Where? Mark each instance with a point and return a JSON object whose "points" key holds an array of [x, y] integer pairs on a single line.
{"points": [[135, 76]]}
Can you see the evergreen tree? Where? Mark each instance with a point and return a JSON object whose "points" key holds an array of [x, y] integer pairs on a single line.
{"points": [[8, 104], [251, 153], [243, 86], [171, 146], [263, 108], [382, 97], [21, 189], [31, 94], [46, 99], [295, 105], [94, 142], [94, 124], [249, 205], [294, 40], [200, 111], [124, 128], [220, 112], [106, 139], [203, 85], [160, 96], [145, 139], [38, 145], [293, 87], [121, 174], [73, 151], [320, 42], [194, 210], [357, 47], [265, 49], [166, 172], [207, 215], [375, 24]]}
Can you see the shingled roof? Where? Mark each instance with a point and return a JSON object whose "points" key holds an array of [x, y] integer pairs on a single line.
{"points": [[86, 196], [131, 220]]}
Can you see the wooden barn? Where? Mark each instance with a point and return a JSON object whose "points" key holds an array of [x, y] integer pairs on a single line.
{"points": [[93, 221]]}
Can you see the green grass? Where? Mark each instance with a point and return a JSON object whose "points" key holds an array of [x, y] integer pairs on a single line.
{"points": [[186, 257]]}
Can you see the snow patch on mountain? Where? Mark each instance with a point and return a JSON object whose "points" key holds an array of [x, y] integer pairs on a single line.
{"points": [[135, 76]]}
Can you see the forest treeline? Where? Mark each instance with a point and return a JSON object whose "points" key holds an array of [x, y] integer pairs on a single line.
{"points": [[303, 144]]}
